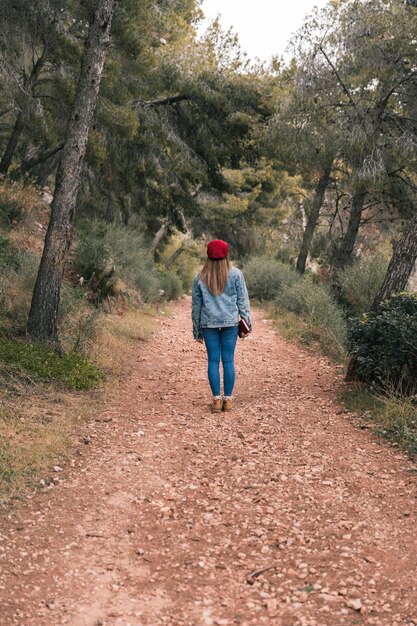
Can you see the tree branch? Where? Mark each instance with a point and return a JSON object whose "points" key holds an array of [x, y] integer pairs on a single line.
{"points": [[40, 157], [170, 100], [406, 181], [339, 78], [384, 101]]}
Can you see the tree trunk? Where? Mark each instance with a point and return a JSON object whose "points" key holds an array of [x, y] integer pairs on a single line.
{"points": [[313, 217], [344, 254], [401, 265], [28, 86], [12, 144], [42, 322], [159, 235], [398, 273], [174, 256]]}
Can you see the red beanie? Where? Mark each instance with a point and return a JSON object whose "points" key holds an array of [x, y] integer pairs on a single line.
{"points": [[217, 249]]}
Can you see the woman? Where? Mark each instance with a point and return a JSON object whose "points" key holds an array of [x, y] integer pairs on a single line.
{"points": [[219, 297]]}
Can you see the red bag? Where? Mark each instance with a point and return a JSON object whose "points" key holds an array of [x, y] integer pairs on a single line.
{"points": [[243, 329]]}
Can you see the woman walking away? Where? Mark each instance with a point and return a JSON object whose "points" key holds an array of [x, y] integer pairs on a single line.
{"points": [[219, 298]]}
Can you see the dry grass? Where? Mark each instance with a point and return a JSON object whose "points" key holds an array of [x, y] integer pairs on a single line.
{"points": [[37, 428], [40, 424], [291, 326], [398, 422], [25, 211], [294, 328], [16, 292], [118, 334], [392, 417]]}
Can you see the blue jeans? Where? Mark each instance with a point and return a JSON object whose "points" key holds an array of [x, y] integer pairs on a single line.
{"points": [[221, 342]]}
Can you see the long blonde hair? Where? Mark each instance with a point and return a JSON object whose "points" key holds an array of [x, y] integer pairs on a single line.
{"points": [[214, 274]]}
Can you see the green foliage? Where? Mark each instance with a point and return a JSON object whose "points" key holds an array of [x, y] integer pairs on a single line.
{"points": [[322, 319], [338, 100], [91, 258], [10, 211], [390, 416], [266, 277], [96, 153], [111, 256], [172, 286], [108, 252], [244, 212], [361, 282], [17, 277], [7, 253], [314, 303], [384, 343], [79, 323], [72, 370], [398, 422], [17, 200]]}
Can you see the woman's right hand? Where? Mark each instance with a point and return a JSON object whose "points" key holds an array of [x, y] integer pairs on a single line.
{"points": [[201, 340]]}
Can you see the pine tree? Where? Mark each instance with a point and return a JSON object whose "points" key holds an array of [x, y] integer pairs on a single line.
{"points": [[42, 322]]}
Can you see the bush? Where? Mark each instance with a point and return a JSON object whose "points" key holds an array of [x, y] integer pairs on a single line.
{"points": [[172, 286], [361, 282], [17, 278], [384, 344], [106, 252], [270, 279], [315, 304], [16, 200], [391, 416], [78, 321], [266, 277], [34, 360], [187, 263]]}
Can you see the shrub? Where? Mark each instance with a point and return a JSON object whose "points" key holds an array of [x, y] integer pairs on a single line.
{"points": [[92, 254], [266, 277], [18, 201], [34, 360], [17, 278], [78, 321], [398, 421], [314, 303], [106, 252], [172, 286], [390, 415], [361, 282], [187, 263], [269, 279], [146, 279], [384, 344]]}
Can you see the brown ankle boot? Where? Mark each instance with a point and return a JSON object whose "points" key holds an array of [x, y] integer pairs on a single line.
{"points": [[216, 406], [227, 405]]}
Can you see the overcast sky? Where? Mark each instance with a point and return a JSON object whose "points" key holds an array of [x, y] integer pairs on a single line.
{"points": [[264, 26]]}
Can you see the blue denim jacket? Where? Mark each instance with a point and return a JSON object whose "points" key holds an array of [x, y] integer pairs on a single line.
{"points": [[210, 311]]}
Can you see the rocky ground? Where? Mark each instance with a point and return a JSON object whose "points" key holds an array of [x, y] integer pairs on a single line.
{"points": [[282, 512]]}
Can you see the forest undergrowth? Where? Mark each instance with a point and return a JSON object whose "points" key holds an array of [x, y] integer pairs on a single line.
{"points": [[304, 309], [43, 423], [46, 398]]}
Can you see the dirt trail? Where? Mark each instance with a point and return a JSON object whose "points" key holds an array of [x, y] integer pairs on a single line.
{"points": [[170, 508]]}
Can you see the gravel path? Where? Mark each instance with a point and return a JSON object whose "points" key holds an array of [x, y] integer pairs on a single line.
{"points": [[280, 513]]}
